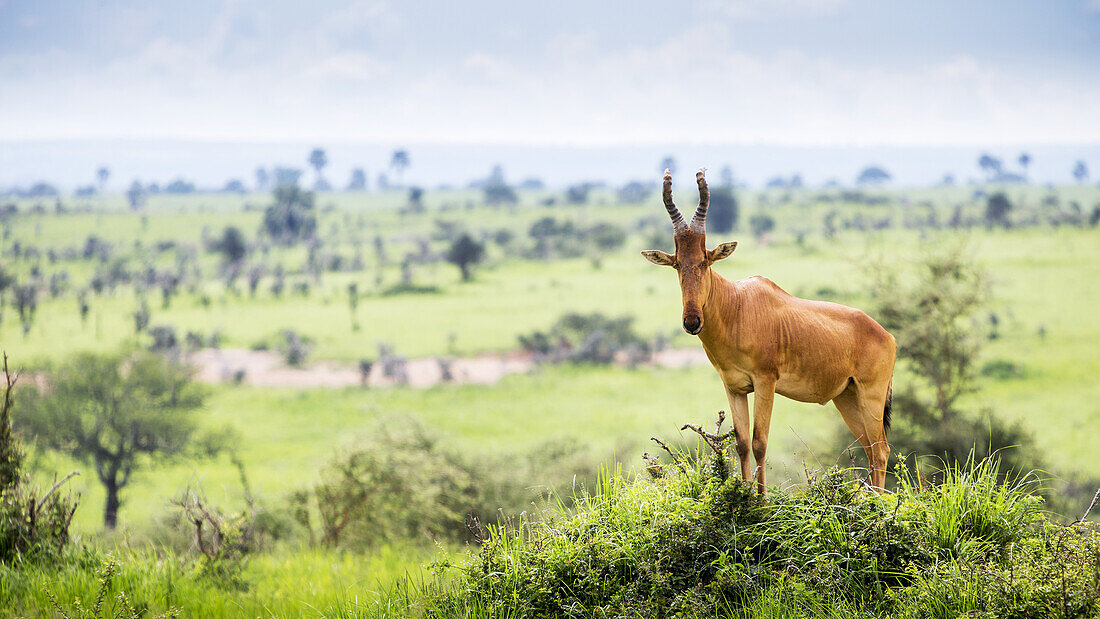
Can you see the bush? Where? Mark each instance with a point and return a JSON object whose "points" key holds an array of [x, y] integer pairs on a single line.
{"points": [[164, 339], [464, 253], [690, 543], [291, 217], [552, 238], [232, 245], [933, 318], [578, 194], [33, 525], [294, 348], [405, 484], [996, 210], [1001, 369], [224, 540], [400, 488], [400, 288], [605, 237], [584, 338]]}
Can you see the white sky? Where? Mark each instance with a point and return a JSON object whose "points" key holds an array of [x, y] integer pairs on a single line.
{"points": [[787, 72]]}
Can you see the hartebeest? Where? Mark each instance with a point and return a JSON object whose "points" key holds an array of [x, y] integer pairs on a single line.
{"points": [[762, 340]]}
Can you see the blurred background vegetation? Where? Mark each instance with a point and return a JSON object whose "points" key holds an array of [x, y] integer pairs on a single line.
{"points": [[244, 374], [320, 310]]}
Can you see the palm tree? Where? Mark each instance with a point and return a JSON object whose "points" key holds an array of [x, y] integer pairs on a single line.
{"points": [[399, 161], [101, 176], [318, 160], [1024, 161]]}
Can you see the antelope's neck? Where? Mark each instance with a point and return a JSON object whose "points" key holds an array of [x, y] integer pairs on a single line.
{"points": [[720, 313]]}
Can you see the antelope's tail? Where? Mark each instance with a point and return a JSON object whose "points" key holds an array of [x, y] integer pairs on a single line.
{"points": [[888, 410]]}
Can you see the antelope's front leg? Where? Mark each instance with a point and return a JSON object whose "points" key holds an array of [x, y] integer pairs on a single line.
{"points": [[739, 414], [764, 389]]}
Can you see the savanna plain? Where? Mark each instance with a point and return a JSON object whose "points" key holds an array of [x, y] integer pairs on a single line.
{"points": [[528, 467]]}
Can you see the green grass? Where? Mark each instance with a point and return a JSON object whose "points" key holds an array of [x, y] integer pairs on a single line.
{"points": [[512, 297], [288, 434], [693, 544], [1043, 279], [282, 583], [687, 543], [1040, 279]]}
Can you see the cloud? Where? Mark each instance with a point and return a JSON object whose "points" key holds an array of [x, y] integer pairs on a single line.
{"points": [[347, 67], [749, 10], [250, 77], [697, 87], [1092, 6]]}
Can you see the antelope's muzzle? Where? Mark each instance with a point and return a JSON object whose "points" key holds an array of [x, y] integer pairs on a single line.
{"points": [[693, 324]]}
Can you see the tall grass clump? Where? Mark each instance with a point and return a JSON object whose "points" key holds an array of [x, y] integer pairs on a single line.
{"points": [[976, 509], [688, 541]]}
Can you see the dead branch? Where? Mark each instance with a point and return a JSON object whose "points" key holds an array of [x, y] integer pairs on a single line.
{"points": [[198, 514], [42, 503], [9, 386], [716, 440], [1095, 498], [675, 458]]}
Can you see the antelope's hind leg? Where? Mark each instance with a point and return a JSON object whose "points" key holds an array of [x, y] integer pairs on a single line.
{"points": [[862, 410]]}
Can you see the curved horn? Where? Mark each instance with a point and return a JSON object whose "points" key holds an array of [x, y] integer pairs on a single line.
{"points": [[678, 224], [699, 221]]}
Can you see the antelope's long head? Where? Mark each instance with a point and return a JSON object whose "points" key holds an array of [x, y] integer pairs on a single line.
{"points": [[692, 259]]}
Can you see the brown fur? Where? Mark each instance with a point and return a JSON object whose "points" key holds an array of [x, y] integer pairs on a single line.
{"points": [[764, 341]]}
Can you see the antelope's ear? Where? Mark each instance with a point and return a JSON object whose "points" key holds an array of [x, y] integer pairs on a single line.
{"points": [[658, 257], [722, 251]]}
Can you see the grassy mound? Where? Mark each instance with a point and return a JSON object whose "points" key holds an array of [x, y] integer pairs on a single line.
{"points": [[691, 542]]}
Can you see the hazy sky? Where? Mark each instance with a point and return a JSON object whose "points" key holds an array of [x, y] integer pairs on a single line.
{"points": [[785, 72]]}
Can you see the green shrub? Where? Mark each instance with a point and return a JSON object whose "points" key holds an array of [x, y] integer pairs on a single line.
{"points": [[294, 347], [224, 540], [291, 218], [33, 525], [689, 543], [584, 338], [405, 484], [410, 288], [1001, 369]]}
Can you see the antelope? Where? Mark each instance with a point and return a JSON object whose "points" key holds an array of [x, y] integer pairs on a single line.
{"points": [[762, 340]]}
